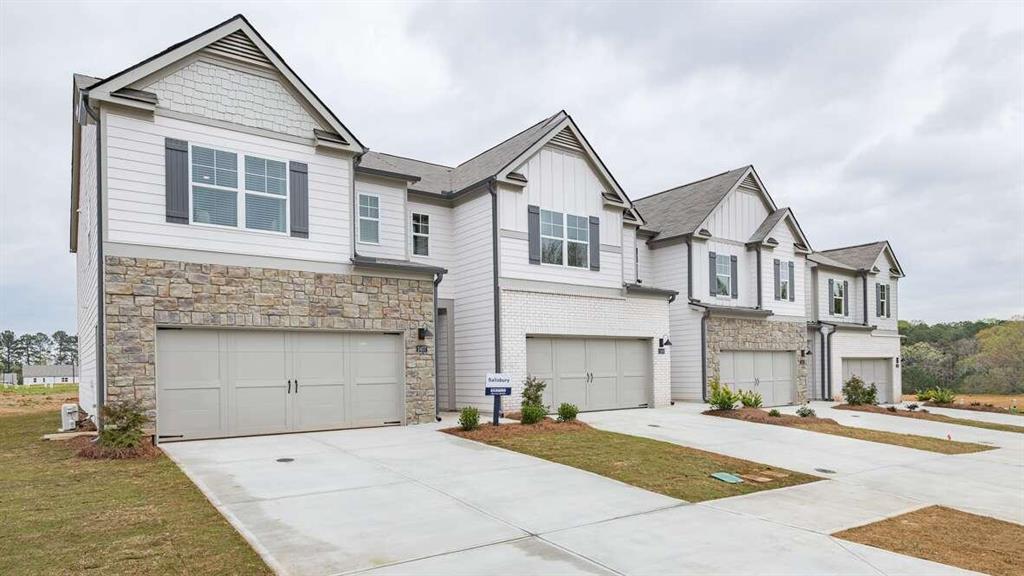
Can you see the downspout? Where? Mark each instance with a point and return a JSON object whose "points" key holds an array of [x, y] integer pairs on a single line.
{"points": [[759, 301], [704, 354], [827, 353], [101, 384], [689, 268], [864, 293], [492, 188], [437, 407]]}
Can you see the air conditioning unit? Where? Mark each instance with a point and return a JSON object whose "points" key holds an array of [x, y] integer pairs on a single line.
{"points": [[68, 417]]}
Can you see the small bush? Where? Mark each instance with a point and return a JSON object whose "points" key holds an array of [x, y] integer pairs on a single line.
{"points": [[942, 395], [469, 418], [750, 399], [533, 414], [774, 413], [567, 412], [805, 412], [856, 393], [924, 395], [533, 392], [123, 424], [722, 398], [911, 407]]}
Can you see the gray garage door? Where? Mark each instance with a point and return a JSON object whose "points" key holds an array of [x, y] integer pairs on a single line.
{"points": [[592, 373], [218, 383], [771, 374], [872, 371]]}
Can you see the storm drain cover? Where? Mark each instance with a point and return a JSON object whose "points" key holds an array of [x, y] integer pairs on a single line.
{"points": [[286, 459], [824, 470]]}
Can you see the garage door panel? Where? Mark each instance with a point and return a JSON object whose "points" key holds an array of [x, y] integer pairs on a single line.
{"points": [[634, 358], [376, 380], [259, 409], [872, 371], [592, 373], [603, 368], [191, 411], [769, 373], [319, 370]]}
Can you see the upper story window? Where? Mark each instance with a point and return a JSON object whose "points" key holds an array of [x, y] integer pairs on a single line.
{"points": [[565, 239], [884, 300], [723, 275], [369, 219], [421, 234], [838, 298], [216, 188]]}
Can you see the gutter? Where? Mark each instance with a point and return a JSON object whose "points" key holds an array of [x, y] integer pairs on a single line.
{"points": [[759, 299], [437, 408], [864, 279], [101, 384], [689, 267], [827, 353], [703, 349], [650, 291], [493, 190]]}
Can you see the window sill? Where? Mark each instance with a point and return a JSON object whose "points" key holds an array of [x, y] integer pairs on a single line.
{"points": [[238, 229]]}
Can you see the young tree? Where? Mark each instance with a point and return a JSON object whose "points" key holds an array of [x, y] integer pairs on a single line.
{"points": [[65, 348], [10, 351], [999, 362], [37, 348]]}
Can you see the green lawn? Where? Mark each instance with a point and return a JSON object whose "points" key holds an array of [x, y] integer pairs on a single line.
{"points": [[39, 390], [65, 515], [662, 467]]}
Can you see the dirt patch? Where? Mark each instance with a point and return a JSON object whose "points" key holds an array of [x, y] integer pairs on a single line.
{"points": [[489, 432], [16, 403], [85, 447], [948, 536], [997, 403], [830, 426], [925, 415]]}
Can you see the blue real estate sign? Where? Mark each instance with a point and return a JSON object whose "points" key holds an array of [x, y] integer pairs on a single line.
{"points": [[498, 385]]}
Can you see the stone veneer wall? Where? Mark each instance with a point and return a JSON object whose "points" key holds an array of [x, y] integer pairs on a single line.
{"points": [[142, 294], [725, 333]]}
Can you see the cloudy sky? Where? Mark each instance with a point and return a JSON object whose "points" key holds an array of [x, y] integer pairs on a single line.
{"points": [[872, 121]]}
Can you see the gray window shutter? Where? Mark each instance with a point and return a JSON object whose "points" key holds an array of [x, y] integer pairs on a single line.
{"points": [[878, 299], [792, 282], [831, 296], [595, 243], [778, 281], [533, 226], [846, 298], [735, 279], [888, 300], [298, 191], [176, 180], [712, 274]]}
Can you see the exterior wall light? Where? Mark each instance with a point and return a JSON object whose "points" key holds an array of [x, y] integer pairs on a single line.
{"points": [[664, 341], [424, 333]]}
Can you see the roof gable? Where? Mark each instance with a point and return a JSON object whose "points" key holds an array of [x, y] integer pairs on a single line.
{"points": [[681, 210], [763, 232], [864, 256]]}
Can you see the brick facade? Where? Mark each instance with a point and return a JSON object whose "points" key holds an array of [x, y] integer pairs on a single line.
{"points": [[142, 294], [525, 312], [725, 333]]}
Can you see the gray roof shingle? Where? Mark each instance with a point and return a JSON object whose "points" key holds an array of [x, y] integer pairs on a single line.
{"points": [[434, 178], [766, 227], [860, 257], [681, 210], [43, 370]]}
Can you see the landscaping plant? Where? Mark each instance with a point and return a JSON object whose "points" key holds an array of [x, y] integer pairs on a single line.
{"points": [[774, 413], [533, 392], [856, 393], [805, 411], [533, 414], [567, 412], [750, 399], [469, 418], [123, 432], [911, 407], [942, 395], [924, 395], [722, 398]]}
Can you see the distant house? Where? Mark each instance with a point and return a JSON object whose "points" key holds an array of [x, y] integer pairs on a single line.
{"points": [[49, 374], [9, 378]]}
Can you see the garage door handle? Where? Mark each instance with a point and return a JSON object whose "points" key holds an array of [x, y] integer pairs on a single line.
{"points": [[289, 386], [296, 386]]}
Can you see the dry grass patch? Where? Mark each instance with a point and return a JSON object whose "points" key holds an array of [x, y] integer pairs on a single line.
{"points": [[74, 515], [997, 403], [830, 426], [948, 536], [924, 415], [27, 399], [661, 467]]}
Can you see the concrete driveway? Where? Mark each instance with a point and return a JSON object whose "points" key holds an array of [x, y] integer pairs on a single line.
{"points": [[416, 501]]}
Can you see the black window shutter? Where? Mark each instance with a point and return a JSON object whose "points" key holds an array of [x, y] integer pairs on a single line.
{"points": [[595, 243], [533, 226], [878, 299], [831, 296], [176, 180], [778, 285], [735, 279], [888, 299], [846, 298], [712, 274], [792, 282], [298, 190]]}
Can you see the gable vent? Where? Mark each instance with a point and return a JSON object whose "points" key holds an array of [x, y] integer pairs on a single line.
{"points": [[238, 46], [566, 139], [750, 182]]}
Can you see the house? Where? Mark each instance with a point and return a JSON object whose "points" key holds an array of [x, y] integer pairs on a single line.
{"points": [[9, 378], [49, 374], [246, 265]]}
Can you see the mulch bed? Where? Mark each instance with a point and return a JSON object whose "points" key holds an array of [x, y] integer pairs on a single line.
{"points": [[948, 536], [488, 432], [925, 415], [85, 447], [762, 417], [977, 408]]}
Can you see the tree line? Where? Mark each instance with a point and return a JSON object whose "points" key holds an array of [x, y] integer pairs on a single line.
{"points": [[981, 356], [39, 348]]}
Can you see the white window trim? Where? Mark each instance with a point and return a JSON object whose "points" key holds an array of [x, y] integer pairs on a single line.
{"points": [[360, 218], [784, 281], [240, 192], [837, 294], [565, 241], [586, 245], [412, 222], [885, 305], [728, 285]]}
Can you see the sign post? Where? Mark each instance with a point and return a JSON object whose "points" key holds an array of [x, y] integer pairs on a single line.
{"points": [[498, 385]]}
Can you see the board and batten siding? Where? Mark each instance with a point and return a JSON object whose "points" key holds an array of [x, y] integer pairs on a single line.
{"points": [[135, 208], [629, 255], [644, 262], [392, 228], [86, 263], [738, 216], [472, 276], [440, 248], [784, 253], [670, 270]]}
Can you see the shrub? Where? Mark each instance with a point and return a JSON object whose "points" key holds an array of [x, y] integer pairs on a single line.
{"points": [[805, 411], [942, 395], [856, 393], [123, 424], [533, 414], [567, 412], [774, 413], [750, 399], [924, 395], [469, 418], [722, 398], [911, 407], [533, 392]]}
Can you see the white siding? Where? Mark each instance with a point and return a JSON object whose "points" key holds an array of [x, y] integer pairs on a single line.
{"points": [[738, 216], [785, 253], [644, 262], [809, 274], [440, 244], [857, 344], [135, 192], [855, 313], [515, 263], [86, 263], [883, 263], [629, 255], [392, 231], [473, 279], [670, 269], [746, 269]]}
